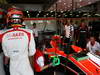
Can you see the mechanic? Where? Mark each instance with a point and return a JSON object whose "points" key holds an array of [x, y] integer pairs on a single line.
{"points": [[40, 65], [35, 33], [93, 46]]}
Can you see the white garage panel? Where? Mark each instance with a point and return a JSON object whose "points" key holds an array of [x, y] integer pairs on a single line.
{"points": [[42, 24]]}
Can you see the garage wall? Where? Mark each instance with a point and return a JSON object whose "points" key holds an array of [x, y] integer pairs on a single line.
{"points": [[49, 25]]}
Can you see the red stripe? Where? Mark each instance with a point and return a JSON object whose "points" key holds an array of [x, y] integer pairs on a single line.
{"points": [[80, 66], [52, 18], [40, 18], [28, 34], [1, 13], [94, 62], [70, 69], [93, 69]]}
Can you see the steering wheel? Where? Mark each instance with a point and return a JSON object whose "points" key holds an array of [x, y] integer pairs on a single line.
{"points": [[56, 61]]}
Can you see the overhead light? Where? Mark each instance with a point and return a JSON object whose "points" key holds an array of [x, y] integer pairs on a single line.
{"points": [[80, 6], [62, 11], [59, 1], [39, 11], [28, 15], [59, 15], [37, 14], [97, 14], [80, 0], [51, 11], [47, 14], [89, 2], [70, 14], [27, 11], [66, 15], [68, 10], [89, 15], [79, 11], [52, 15], [85, 14], [64, 3], [77, 15]]}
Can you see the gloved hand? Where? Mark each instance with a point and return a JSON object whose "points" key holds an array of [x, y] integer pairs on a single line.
{"points": [[56, 61]]}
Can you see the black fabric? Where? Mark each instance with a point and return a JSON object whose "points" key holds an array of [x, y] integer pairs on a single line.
{"points": [[1, 48], [83, 35], [48, 71], [67, 40], [36, 41], [6, 69]]}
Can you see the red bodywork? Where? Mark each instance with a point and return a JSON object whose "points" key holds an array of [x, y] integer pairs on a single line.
{"points": [[86, 65]]}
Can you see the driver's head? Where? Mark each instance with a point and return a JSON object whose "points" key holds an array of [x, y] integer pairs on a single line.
{"points": [[14, 17]]}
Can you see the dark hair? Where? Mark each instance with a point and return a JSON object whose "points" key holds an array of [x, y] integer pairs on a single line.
{"points": [[34, 24], [93, 37], [83, 20]]}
